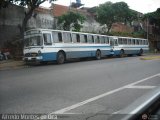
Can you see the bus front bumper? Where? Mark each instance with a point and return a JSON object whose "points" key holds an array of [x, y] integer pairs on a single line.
{"points": [[33, 59]]}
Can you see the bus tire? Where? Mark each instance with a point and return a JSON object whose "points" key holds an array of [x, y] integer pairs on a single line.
{"points": [[98, 54], [60, 57], [121, 54], [140, 52]]}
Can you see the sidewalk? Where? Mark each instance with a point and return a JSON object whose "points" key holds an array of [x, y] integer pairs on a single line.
{"points": [[11, 64], [151, 57]]}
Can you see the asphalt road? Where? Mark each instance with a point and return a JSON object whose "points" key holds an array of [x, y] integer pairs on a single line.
{"points": [[96, 86]]}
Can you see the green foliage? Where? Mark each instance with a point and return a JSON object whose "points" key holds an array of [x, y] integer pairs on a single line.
{"points": [[154, 17], [131, 16], [109, 13], [105, 14], [139, 34], [121, 11], [71, 19]]}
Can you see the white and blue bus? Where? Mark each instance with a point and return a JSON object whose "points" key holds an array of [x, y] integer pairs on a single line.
{"points": [[43, 45], [129, 46]]}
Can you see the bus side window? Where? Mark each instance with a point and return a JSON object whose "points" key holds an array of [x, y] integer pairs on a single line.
{"points": [[47, 39], [66, 37], [85, 38], [137, 42], [143, 42], [129, 41], [134, 42], [97, 39], [55, 37], [92, 39], [115, 42], [120, 40], [60, 37], [102, 39], [107, 40], [111, 41], [140, 42], [78, 37], [125, 41]]}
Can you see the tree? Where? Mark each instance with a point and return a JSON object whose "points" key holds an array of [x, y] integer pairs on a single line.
{"points": [[31, 6], [154, 19], [121, 11], [71, 19], [131, 16], [105, 15], [109, 13]]}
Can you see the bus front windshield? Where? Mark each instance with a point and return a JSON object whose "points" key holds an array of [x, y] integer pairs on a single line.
{"points": [[33, 41]]}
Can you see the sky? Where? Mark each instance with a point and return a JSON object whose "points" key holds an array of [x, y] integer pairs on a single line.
{"points": [[143, 6]]}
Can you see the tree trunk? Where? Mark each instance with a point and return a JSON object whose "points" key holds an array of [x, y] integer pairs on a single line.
{"points": [[109, 28], [28, 15]]}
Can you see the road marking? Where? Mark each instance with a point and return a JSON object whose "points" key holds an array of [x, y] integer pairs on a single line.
{"points": [[141, 87], [61, 111]]}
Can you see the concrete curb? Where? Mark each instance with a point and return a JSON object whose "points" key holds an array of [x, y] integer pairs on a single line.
{"points": [[155, 57]]}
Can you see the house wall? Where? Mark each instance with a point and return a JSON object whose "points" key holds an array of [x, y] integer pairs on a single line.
{"points": [[12, 17]]}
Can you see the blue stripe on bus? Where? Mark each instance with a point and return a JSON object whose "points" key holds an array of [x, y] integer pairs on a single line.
{"points": [[117, 52], [130, 47], [73, 54], [49, 56]]}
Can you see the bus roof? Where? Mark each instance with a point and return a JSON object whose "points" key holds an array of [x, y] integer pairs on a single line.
{"points": [[40, 29]]}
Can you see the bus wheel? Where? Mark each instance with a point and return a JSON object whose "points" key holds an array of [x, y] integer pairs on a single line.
{"points": [[98, 54], [60, 57], [140, 52], [121, 54]]}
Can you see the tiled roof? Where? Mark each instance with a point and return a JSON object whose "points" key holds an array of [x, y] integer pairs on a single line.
{"points": [[59, 10]]}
